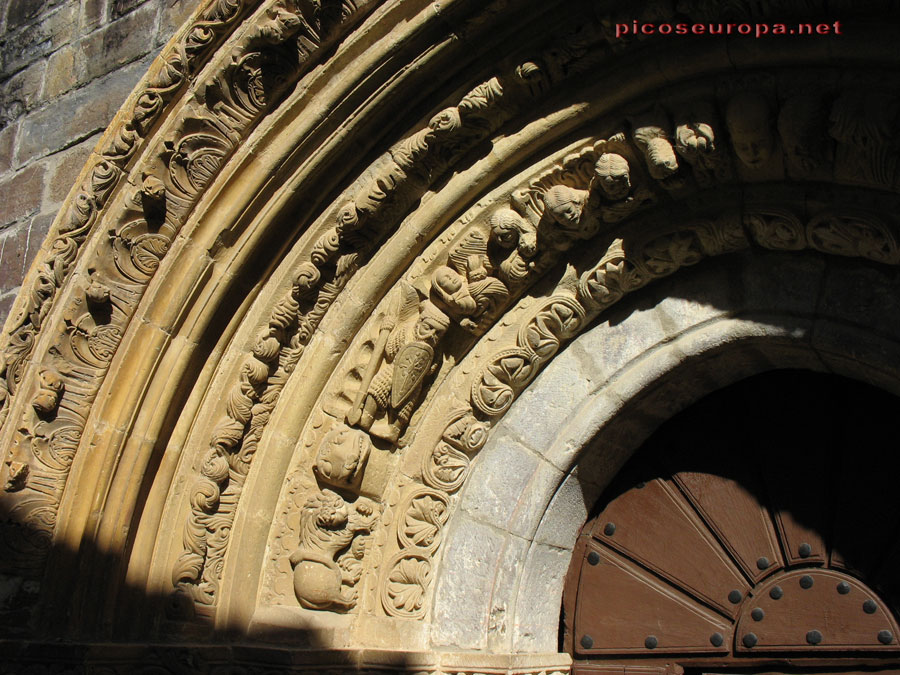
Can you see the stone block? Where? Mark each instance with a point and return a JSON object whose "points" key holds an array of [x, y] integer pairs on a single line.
{"points": [[49, 33], [63, 73], [789, 281], [503, 600], [122, 7], [93, 13], [77, 115], [22, 12], [584, 423], [534, 500], [63, 169], [566, 512], [13, 248], [38, 229], [624, 333], [863, 293], [696, 294], [7, 146], [472, 556], [20, 93], [858, 352], [6, 302], [21, 194], [119, 43], [172, 16], [540, 599], [539, 413], [497, 476]]}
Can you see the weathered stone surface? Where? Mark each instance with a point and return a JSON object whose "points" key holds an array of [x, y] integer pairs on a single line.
{"points": [[21, 92], [63, 72], [7, 145], [63, 169], [122, 7], [50, 32], [6, 303], [867, 294], [535, 418], [503, 596], [569, 506], [539, 599], [13, 251], [118, 43], [93, 13], [171, 17], [22, 193], [765, 281], [77, 115], [627, 333], [38, 229], [22, 12], [471, 559], [505, 465]]}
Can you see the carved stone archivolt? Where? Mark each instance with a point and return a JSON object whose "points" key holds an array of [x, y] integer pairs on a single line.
{"points": [[278, 321]]}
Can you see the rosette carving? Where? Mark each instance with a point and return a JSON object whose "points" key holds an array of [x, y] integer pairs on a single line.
{"points": [[408, 579]]}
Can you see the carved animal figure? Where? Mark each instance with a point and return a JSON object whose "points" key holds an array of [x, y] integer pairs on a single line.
{"points": [[327, 528]]}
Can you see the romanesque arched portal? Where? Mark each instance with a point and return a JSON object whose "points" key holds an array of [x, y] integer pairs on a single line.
{"points": [[297, 369]]}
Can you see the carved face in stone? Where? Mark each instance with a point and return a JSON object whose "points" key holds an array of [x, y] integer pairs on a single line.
{"points": [[330, 510], [342, 456], [750, 126], [505, 226], [565, 205], [447, 280], [612, 176], [431, 326]]}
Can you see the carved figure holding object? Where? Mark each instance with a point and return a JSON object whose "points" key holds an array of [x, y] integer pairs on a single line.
{"points": [[403, 357]]}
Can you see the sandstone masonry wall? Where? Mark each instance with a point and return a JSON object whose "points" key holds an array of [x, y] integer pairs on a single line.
{"points": [[66, 66]]}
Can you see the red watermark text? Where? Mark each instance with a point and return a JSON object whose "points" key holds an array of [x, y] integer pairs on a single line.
{"points": [[757, 30]]}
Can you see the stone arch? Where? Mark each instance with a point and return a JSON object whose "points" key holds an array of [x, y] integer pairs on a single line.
{"points": [[324, 248], [538, 476]]}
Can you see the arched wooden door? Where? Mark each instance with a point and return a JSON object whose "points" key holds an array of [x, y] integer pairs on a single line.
{"points": [[757, 531]]}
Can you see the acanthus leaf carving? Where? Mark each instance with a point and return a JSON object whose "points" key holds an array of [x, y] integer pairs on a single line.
{"points": [[122, 141], [407, 581]]}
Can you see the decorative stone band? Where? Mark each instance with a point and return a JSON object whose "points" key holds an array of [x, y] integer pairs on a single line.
{"points": [[226, 658], [360, 224], [628, 265], [271, 51], [178, 65]]}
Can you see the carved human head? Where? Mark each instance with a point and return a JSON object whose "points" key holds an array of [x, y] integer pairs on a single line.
{"points": [[505, 227], [565, 205], [342, 455], [612, 176], [750, 125], [447, 280], [432, 323]]}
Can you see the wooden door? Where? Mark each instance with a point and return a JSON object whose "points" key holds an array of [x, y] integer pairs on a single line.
{"points": [[755, 532]]}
